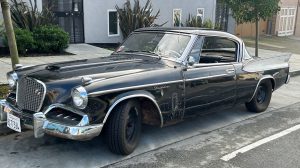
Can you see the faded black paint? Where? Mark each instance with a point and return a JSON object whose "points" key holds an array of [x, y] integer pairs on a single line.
{"points": [[179, 90]]}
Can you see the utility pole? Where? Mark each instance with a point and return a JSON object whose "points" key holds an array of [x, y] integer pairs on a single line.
{"points": [[14, 55]]}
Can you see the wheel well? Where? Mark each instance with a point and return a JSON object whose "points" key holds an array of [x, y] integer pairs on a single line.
{"points": [[151, 114], [272, 81]]}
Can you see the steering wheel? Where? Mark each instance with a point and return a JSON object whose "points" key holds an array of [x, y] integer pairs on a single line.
{"points": [[175, 53]]}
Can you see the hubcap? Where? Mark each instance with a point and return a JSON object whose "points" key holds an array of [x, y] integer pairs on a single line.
{"points": [[261, 94], [131, 124]]}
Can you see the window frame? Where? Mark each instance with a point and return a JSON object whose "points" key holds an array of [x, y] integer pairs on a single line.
{"points": [[203, 16], [202, 38], [179, 9], [108, 25]]}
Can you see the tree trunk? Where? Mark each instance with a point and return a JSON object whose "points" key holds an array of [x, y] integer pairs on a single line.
{"points": [[10, 33], [256, 36]]}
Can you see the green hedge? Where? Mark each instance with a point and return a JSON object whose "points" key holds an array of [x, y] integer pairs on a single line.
{"points": [[24, 40], [50, 39], [44, 39]]}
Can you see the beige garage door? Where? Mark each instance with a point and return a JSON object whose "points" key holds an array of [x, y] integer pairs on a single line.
{"points": [[287, 21]]}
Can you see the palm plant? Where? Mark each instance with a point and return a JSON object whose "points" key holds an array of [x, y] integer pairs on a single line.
{"points": [[177, 21], [132, 18], [26, 16]]}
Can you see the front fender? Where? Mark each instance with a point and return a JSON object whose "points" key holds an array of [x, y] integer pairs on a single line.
{"points": [[129, 95]]}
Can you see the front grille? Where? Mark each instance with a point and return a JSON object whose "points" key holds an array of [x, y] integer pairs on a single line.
{"points": [[30, 94]]}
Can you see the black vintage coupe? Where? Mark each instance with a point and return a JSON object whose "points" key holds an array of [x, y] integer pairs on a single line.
{"points": [[158, 76]]}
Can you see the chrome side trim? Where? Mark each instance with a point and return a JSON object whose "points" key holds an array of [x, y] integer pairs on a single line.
{"points": [[134, 96], [261, 79], [134, 87], [206, 77], [153, 84]]}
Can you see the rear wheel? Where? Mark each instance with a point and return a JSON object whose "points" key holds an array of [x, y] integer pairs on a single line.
{"points": [[262, 97], [124, 128]]}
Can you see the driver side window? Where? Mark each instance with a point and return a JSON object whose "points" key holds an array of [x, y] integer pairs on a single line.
{"points": [[218, 50]]}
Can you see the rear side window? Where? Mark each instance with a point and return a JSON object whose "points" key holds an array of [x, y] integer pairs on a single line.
{"points": [[218, 50]]}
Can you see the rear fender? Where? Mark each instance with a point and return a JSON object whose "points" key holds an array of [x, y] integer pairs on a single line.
{"points": [[265, 77]]}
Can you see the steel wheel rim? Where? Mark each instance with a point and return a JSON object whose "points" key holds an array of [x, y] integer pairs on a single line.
{"points": [[261, 94], [131, 124]]}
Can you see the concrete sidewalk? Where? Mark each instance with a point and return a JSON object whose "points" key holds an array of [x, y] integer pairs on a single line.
{"points": [[80, 51], [85, 51]]}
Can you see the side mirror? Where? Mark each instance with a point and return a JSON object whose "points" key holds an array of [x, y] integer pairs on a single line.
{"points": [[191, 61]]}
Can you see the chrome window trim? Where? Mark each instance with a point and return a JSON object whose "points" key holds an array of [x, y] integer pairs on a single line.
{"points": [[184, 57], [186, 51], [239, 52]]}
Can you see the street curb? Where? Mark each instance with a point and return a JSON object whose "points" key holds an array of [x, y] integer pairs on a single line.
{"points": [[4, 129], [295, 73]]}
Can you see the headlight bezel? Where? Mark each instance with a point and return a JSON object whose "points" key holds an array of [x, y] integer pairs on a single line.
{"points": [[80, 94], [12, 79]]}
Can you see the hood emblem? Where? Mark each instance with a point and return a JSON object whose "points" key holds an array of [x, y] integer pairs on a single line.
{"points": [[86, 79]]}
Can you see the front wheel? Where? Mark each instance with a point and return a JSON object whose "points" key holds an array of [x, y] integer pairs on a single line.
{"points": [[124, 128], [262, 97]]}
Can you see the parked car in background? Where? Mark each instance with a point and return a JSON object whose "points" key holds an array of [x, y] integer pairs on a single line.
{"points": [[158, 76]]}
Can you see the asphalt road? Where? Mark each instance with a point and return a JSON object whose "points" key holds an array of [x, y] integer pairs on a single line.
{"points": [[198, 142]]}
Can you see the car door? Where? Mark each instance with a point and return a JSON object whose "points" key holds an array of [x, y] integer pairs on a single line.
{"points": [[209, 83]]}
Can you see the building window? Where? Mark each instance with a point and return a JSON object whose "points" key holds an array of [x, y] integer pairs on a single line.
{"points": [[177, 17], [113, 23], [287, 21], [200, 14]]}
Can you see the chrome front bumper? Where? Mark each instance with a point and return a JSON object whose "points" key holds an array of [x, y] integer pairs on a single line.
{"points": [[41, 125]]}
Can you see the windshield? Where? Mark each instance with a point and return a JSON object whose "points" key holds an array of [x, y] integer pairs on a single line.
{"points": [[161, 44]]}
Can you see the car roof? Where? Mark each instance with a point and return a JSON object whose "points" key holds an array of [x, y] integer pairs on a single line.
{"points": [[190, 30]]}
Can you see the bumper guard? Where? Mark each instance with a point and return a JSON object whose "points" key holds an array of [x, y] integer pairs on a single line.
{"points": [[41, 125]]}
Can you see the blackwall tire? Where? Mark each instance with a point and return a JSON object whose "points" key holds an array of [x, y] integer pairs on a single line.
{"points": [[124, 128], [261, 100]]}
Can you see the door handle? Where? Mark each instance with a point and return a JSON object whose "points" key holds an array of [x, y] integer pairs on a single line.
{"points": [[230, 70]]}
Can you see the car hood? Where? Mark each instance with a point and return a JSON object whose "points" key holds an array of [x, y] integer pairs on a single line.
{"points": [[98, 68]]}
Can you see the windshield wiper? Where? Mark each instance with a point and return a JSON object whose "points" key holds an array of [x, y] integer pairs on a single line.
{"points": [[131, 51], [143, 51], [151, 52]]}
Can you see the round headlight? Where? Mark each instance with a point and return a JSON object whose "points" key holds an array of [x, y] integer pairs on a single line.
{"points": [[12, 79], [80, 97]]}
